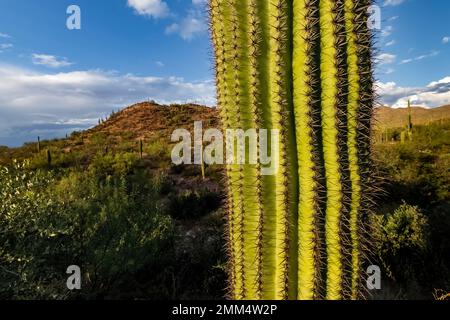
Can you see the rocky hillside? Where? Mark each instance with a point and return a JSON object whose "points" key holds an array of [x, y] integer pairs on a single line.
{"points": [[121, 131], [393, 118], [150, 121]]}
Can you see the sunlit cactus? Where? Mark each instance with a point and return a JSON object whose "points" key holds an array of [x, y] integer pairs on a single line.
{"points": [[302, 67]]}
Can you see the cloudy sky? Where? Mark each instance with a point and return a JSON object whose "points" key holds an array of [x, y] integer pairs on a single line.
{"points": [[54, 80]]}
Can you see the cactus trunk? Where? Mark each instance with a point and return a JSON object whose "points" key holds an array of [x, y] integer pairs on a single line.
{"points": [[302, 67], [49, 158], [410, 124]]}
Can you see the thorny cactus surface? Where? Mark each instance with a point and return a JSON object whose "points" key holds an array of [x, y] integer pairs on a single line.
{"points": [[302, 67]]}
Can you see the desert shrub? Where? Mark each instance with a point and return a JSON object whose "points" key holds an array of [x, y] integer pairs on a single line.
{"points": [[403, 244], [192, 204], [158, 150], [31, 222], [439, 258], [128, 146], [122, 227], [99, 138], [405, 229], [108, 164], [417, 170], [199, 270], [414, 240], [128, 135], [109, 228]]}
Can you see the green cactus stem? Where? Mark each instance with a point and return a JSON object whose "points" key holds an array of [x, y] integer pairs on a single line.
{"points": [[303, 68]]}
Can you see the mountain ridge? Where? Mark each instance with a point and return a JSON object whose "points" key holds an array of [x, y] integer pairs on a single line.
{"points": [[150, 120]]}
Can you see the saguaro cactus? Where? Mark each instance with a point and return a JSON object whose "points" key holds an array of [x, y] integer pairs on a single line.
{"points": [[141, 149], [49, 158], [302, 67], [410, 124]]}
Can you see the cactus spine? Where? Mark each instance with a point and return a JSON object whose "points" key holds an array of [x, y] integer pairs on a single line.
{"points": [[302, 67]]}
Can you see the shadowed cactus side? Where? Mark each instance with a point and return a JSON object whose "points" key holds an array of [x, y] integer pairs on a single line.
{"points": [[49, 158], [302, 67]]}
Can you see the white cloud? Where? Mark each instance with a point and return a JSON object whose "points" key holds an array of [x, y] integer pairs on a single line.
{"points": [[160, 64], [445, 40], [173, 28], [445, 80], [386, 32], [50, 61], [192, 24], [199, 2], [386, 58], [406, 61], [435, 94], [390, 43], [4, 46], [392, 2], [151, 8], [188, 27], [4, 35], [421, 57], [393, 18], [56, 103]]}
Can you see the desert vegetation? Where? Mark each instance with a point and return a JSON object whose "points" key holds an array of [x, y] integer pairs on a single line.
{"points": [[145, 229]]}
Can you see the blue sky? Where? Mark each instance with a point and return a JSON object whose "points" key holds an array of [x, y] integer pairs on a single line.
{"points": [[54, 80]]}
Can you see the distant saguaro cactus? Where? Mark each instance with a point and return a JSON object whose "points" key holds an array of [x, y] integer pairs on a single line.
{"points": [[302, 67], [410, 124], [49, 157]]}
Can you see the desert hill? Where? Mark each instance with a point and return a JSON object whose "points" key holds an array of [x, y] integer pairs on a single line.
{"points": [[393, 118], [121, 131], [147, 120]]}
